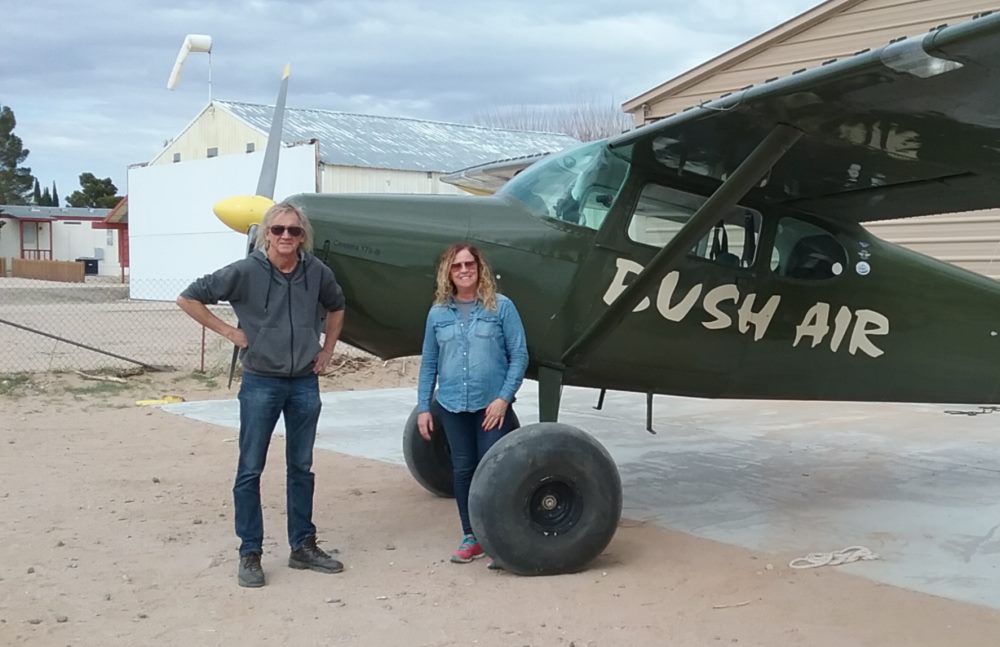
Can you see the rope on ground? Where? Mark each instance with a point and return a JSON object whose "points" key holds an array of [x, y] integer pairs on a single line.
{"points": [[836, 558]]}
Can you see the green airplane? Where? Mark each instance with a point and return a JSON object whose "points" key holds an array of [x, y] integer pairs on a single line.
{"points": [[716, 253]]}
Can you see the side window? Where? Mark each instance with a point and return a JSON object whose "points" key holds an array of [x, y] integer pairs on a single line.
{"points": [[807, 252], [661, 212]]}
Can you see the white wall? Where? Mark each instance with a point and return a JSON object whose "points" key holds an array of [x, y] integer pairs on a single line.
{"points": [[10, 247], [72, 241], [173, 235]]}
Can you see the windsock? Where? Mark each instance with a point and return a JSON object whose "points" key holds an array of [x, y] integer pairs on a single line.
{"points": [[192, 43]]}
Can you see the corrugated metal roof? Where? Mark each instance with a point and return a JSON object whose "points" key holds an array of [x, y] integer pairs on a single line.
{"points": [[32, 212], [370, 141]]}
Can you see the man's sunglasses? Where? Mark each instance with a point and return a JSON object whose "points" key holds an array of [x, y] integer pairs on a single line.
{"points": [[293, 231]]}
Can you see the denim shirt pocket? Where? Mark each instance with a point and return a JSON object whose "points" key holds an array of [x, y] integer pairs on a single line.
{"points": [[444, 332], [488, 326]]}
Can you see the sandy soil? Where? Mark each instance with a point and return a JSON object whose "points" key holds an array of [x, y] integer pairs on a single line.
{"points": [[116, 523]]}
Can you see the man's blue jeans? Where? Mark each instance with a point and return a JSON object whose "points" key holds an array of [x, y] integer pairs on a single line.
{"points": [[468, 443], [262, 400]]}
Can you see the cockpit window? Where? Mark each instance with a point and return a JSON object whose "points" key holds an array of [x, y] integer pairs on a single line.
{"points": [[577, 186], [661, 212], [804, 251]]}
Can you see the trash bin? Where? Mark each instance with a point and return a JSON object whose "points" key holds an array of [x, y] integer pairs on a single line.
{"points": [[89, 265]]}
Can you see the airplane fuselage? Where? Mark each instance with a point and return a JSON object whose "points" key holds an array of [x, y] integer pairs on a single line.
{"points": [[893, 325]]}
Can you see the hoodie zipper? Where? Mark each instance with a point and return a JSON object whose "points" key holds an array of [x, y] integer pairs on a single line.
{"points": [[291, 328]]}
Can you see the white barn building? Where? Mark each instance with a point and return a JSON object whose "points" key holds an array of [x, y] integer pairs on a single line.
{"points": [[173, 235], [358, 153]]}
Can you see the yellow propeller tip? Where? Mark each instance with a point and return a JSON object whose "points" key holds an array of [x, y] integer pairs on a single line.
{"points": [[241, 211], [287, 72]]}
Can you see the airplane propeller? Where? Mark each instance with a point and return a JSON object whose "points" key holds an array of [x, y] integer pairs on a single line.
{"points": [[243, 213]]}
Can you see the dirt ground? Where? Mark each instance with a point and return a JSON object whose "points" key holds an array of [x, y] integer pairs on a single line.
{"points": [[116, 527]]}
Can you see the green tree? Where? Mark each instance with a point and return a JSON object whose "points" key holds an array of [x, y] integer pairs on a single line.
{"points": [[15, 180], [94, 192], [37, 193], [46, 200], [55, 195]]}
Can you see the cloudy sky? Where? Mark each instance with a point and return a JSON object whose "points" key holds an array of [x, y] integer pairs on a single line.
{"points": [[87, 80]]}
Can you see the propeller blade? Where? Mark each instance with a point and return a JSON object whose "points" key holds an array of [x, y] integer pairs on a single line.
{"points": [[240, 212], [269, 170]]}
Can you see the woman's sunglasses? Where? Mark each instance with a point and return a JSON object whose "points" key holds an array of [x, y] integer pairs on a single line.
{"points": [[293, 231], [463, 265]]}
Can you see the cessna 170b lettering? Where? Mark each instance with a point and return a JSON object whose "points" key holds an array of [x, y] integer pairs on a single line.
{"points": [[717, 253]]}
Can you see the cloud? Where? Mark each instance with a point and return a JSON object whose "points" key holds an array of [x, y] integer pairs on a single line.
{"points": [[87, 80]]}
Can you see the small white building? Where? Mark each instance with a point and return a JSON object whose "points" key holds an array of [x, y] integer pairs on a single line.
{"points": [[59, 234]]}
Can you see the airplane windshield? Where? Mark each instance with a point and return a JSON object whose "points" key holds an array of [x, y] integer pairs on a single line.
{"points": [[576, 186]]}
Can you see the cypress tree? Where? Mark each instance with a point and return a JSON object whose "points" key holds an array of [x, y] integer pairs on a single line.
{"points": [[15, 180]]}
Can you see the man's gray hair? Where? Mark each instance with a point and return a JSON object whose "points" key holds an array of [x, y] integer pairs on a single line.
{"points": [[260, 242]]}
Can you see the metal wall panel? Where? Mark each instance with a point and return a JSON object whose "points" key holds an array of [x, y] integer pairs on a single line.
{"points": [[352, 179], [969, 240]]}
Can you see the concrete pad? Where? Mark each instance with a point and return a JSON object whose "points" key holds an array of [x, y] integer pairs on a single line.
{"points": [[914, 483]]}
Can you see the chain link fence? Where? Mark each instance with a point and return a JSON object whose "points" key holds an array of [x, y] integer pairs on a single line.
{"points": [[97, 326]]}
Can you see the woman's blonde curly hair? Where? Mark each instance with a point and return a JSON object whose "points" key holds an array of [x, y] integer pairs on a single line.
{"points": [[486, 290]]}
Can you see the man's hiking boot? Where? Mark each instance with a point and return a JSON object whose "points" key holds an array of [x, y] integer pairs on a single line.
{"points": [[251, 575], [310, 556]]}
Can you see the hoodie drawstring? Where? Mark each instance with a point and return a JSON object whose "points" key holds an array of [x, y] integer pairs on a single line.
{"points": [[270, 280]]}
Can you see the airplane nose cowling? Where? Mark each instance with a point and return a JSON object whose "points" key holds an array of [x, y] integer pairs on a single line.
{"points": [[240, 212]]}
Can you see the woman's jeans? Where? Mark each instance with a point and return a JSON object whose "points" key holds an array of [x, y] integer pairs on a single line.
{"points": [[469, 442], [262, 400]]}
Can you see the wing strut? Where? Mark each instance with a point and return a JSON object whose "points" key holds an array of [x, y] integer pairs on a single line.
{"points": [[749, 172]]}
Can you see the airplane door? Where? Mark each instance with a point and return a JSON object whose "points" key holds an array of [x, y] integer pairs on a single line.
{"points": [[685, 336], [805, 268]]}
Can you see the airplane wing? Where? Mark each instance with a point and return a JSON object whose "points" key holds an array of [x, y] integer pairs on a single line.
{"points": [[909, 129], [486, 179]]}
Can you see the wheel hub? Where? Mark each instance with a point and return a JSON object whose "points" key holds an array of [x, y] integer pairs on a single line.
{"points": [[555, 506]]}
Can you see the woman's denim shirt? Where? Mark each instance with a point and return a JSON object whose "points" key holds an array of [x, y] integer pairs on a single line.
{"points": [[475, 361]]}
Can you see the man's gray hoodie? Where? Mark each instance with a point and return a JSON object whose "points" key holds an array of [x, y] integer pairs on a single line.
{"points": [[282, 315]]}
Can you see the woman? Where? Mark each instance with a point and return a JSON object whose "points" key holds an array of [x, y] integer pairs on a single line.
{"points": [[474, 348]]}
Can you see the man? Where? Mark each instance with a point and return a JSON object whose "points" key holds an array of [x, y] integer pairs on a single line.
{"points": [[281, 295]]}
